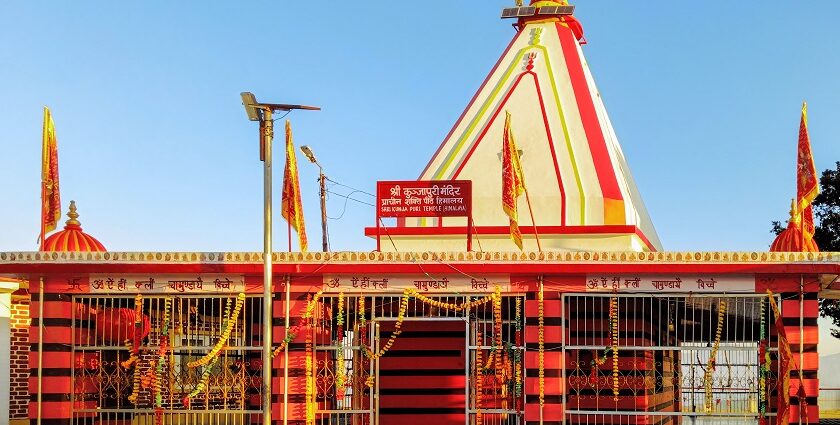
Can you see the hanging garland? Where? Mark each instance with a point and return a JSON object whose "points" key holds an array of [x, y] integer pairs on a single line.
{"points": [[710, 365], [134, 347], [223, 339], [517, 355], [293, 332], [340, 370], [614, 314], [310, 381], [479, 378], [541, 344], [764, 364], [212, 357], [397, 329], [449, 306], [161, 360]]}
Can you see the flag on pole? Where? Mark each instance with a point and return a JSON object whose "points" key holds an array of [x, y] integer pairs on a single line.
{"points": [[785, 366], [513, 181], [50, 196], [807, 183], [291, 206]]}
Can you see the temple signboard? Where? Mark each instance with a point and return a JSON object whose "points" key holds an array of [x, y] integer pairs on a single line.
{"points": [[422, 283], [160, 284], [670, 283], [424, 198], [428, 198]]}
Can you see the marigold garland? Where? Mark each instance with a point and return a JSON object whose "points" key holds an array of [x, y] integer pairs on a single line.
{"points": [[340, 370], [710, 365], [449, 306], [161, 360], [614, 316], [310, 382], [479, 378], [541, 344], [517, 354], [397, 329], [223, 339], [293, 332], [134, 347]]}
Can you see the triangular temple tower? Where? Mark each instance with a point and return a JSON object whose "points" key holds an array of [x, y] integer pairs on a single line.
{"points": [[582, 194]]}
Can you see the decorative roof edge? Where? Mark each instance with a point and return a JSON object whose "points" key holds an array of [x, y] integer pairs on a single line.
{"points": [[411, 257]]}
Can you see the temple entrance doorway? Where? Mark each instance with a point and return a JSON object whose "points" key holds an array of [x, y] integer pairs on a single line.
{"points": [[423, 378]]}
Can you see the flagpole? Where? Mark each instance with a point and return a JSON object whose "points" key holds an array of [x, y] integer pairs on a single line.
{"points": [[533, 223], [43, 223]]}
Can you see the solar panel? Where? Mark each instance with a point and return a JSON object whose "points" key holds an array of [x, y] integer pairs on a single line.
{"points": [[518, 12], [557, 10]]}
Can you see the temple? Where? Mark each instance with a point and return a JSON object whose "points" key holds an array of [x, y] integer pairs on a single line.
{"points": [[597, 325]]}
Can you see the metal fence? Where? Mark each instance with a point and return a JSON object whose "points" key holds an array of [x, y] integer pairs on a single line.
{"points": [[654, 358], [358, 402], [135, 359]]}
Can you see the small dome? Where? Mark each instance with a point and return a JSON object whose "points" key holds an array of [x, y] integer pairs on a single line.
{"points": [[791, 239], [72, 238]]}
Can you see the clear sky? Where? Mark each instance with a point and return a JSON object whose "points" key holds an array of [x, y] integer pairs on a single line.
{"points": [[155, 147]]}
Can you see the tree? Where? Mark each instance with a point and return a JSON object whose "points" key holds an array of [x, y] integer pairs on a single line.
{"points": [[827, 234]]}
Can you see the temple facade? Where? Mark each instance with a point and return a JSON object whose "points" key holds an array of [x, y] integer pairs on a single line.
{"points": [[593, 322]]}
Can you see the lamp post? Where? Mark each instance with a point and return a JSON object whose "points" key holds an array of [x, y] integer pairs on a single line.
{"points": [[322, 182], [263, 113]]}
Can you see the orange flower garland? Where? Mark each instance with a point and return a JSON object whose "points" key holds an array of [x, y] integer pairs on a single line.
{"points": [[310, 381], [340, 370], [614, 316], [449, 306]]}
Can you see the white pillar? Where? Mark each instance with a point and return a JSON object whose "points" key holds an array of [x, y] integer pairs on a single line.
{"points": [[6, 289]]}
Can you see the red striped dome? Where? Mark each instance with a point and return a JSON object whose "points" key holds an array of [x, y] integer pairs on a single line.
{"points": [[72, 238], [791, 239]]}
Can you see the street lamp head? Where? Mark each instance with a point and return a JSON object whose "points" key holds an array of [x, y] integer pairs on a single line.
{"points": [[250, 103], [309, 154]]}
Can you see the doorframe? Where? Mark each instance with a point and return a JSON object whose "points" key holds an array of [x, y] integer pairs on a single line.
{"points": [[375, 325]]}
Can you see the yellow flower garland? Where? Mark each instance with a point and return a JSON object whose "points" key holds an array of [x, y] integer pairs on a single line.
{"points": [[310, 382], [614, 315], [707, 376], [292, 333], [449, 306], [479, 378], [231, 324], [541, 344], [397, 329], [340, 370]]}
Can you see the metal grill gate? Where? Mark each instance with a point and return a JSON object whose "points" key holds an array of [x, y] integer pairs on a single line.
{"points": [[104, 377], [664, 344], [360, 403]]}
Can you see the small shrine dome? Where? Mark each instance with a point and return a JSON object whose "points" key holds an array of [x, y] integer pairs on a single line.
{"points": [[791, 239], [72, 238]]}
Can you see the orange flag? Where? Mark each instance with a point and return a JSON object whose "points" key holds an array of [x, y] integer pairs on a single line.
{"points": [[786, 364], [513, 181], [291, 206], [807, 182], [50, 198]]}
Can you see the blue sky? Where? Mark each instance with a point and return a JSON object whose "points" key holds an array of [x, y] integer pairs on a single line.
{"points": [[157, 151]]}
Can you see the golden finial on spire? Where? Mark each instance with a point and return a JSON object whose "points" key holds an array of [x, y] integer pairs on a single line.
{"points": [[518, 3], [73, 215], [794, 212]]}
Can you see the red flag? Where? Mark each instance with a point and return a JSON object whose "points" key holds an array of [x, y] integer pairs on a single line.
{"points": [[291, 206], [513, 181], [803, 401], [50, 197], [807, 183], [785, 366]]}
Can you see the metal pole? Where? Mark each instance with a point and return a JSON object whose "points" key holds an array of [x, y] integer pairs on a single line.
{"points": [[267, 330], [325, 242], [40, 344]]}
